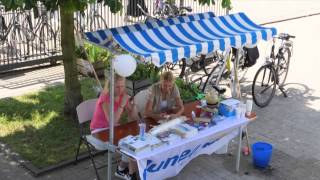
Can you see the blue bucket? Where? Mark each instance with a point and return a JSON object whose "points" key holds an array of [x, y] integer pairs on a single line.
{"points": [[261, 154]]}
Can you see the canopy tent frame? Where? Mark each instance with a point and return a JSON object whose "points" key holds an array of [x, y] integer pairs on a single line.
{"points": [[235, 30]]}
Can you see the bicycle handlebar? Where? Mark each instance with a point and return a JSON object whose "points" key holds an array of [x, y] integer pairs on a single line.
{"points": [[285, 36]]}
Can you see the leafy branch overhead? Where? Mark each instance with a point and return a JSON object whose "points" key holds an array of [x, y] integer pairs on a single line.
{"points": [[225, 3]]}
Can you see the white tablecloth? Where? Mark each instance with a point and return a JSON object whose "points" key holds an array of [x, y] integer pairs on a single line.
{"points": [[168, 160]]}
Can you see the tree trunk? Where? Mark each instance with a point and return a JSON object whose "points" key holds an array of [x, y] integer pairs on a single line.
{"points": [[72, 95]]}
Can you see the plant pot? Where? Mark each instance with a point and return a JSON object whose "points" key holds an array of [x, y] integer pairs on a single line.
{"points": [[83, 66], [99, 68], [133, 87], [189, 100]]}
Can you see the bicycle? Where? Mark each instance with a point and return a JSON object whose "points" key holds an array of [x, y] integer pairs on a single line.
{"points": [[161, 10], [274, 72], [196, 64], [41, 29], [165, 9], [13, 33], [223, 74]]}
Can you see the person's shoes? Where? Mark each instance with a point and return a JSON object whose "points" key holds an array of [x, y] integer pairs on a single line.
{"points": [[131, 176], [122, 174]]}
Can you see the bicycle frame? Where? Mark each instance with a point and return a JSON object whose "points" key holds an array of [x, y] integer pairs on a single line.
{"points": [[163, 9], [273, 64], [276, 58]]}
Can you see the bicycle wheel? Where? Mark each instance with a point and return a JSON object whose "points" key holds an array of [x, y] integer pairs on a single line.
{"points": [[264, 85], [217, 77], [204, 63], [283, 67]]}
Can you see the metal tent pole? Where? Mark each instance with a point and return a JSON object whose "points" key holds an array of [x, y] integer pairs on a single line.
{"points": [[235, 86], [111, 120]]}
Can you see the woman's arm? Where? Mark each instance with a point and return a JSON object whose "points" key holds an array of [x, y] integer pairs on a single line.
{"points": [[179, 104], [148, 111], [179, 108], [117, 115], [132, 110]]}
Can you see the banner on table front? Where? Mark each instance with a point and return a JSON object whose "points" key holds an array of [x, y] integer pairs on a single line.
{"points": [[171, 162]]}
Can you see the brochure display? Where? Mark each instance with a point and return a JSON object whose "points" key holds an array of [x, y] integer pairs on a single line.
{"points": [[164, 154]]}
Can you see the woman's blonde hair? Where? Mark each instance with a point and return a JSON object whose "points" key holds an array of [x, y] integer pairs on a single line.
{"points": [[117, 77], [167, 76]]}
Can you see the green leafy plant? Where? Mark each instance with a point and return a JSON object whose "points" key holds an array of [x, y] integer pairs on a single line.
{"points": [[80, 52], [94, 54], [145, 71], [187, 91]]}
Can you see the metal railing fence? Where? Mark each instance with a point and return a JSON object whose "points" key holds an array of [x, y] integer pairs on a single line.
{"points": [[33, 37]]}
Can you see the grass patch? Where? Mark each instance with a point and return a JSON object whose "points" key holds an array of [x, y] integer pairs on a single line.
{"points": [[34, 126]]}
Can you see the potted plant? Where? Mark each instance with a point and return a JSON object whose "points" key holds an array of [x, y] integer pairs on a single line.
{"points": [[92, 56], [145, 75], [188, 92]]}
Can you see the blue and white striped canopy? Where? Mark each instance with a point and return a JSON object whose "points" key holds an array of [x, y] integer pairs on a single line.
{"points": [[184, 37]]}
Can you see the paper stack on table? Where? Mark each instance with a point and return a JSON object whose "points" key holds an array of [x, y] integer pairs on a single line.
{"points": [[185, 130], [136, 145], [167, 125], [168, 137]]}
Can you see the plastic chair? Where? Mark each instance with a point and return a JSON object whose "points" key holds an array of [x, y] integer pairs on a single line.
{"points": [[85, 112], [140, 100]]}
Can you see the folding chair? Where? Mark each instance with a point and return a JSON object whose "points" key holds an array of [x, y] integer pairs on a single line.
{"points": [[85, 112], [140, 99]]}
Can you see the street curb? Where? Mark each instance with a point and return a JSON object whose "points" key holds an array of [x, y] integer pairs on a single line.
{"points": [[289, 19]]}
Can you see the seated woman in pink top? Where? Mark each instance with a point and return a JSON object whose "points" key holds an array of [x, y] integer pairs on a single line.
{"points": [[100, 120]]}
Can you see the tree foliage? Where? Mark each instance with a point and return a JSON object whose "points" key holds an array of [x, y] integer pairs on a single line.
{"points": [[225, 3]]}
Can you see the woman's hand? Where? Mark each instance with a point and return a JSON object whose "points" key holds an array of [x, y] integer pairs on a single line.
{"points": [[124, 100], [164, 116], [173, 116], [121, 107]]}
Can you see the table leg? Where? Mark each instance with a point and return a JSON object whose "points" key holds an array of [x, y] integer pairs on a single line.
{"points": [[239, 149], [247, 138]]}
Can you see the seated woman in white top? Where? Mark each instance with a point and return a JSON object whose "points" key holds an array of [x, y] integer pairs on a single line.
{"points": [[163, 101]]}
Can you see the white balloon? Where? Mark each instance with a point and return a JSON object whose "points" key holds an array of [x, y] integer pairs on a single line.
{"points": [[125, 65]]}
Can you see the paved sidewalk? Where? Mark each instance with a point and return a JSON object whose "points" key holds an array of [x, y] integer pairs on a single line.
{"points": [[290, 124], [18, 83]]}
